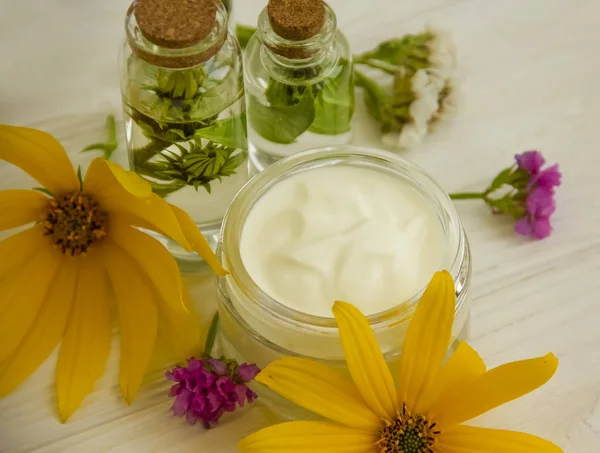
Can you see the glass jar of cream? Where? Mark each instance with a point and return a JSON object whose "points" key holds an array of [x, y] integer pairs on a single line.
{"points": [[337, 223]]}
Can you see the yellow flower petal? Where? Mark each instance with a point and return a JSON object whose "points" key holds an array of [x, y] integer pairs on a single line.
{"points": [[137, 317], [40, 155], [367, 366], [179, 330], [320, 389], [18, 248], [46, 331], [197, 241], [468, 439], [494, 388], [156, 261], [309, 437], [131, 182], [462, 368], [86, 343], [20, 207], [149, 212], [427, 341], [22, 293]]}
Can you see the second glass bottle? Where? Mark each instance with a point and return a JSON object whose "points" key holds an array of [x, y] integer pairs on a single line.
{"points": [[298, 76]]}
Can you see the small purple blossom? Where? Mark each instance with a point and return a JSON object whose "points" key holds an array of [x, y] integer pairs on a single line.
{"points": [[248, 372], [218, 367], [548, 178], [538, 195], [206, 389], [539, 206], [524, 191], [530, 161]]}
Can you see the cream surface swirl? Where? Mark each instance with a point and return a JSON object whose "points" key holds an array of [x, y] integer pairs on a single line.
{"points": [[342, 233]]}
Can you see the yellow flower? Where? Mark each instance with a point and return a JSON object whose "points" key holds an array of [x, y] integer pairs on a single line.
{"points": [[56, 275], [423, 413]]}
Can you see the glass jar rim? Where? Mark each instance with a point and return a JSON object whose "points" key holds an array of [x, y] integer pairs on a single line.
{"points": [[253, 190]]}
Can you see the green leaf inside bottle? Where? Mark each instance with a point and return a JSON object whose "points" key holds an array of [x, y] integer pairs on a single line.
{"points": [[325, 107]]}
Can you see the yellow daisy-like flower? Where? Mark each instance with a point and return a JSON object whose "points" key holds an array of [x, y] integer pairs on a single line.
{"points": [[56, 275], [422, 413]]}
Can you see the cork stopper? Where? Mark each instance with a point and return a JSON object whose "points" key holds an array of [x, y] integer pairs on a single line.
{"points": [[296, 20], [175, 24]]}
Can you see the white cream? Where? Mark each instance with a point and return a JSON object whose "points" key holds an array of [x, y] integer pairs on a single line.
{"points": [[342, 233]]}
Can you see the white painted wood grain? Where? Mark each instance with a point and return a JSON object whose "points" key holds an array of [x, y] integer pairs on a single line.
{"points": [[529, 78]]}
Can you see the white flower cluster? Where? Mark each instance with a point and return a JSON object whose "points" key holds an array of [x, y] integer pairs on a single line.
{"points": [[427, 86]]}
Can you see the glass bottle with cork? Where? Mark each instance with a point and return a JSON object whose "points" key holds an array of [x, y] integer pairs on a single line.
{"points": [[299, 86], [183, 100]]}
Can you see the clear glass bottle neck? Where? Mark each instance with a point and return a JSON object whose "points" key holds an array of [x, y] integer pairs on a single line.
{"points": [[313, 57]]}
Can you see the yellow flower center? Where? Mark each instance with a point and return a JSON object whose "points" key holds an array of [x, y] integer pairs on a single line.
{"points": [[74, 222], [408, 433]]}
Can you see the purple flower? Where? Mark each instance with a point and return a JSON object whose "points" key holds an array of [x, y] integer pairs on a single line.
{"points": [[240, 393], [539, 207], [206, 389], [183, 399], [530, 161], [549, 178], [250, 395], [525, 192], [247, 372], [538, 195], [218, 367], [225, 387]]}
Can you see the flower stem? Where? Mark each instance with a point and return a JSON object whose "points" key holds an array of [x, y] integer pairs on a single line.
{"points": [[374, 92], [212, 334], [377, 64], [145, 153], [361, 80], [468, 196]]}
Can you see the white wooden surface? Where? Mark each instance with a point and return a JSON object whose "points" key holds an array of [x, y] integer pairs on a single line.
{"points": [[529, 78]]}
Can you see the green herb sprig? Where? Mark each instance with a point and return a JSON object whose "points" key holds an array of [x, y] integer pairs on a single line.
{"points": [[401, 58], [111, 144], [188, 145], [196, 166]]}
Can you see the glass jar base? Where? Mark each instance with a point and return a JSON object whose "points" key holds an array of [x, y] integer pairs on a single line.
{"points": [[190, 261]]}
